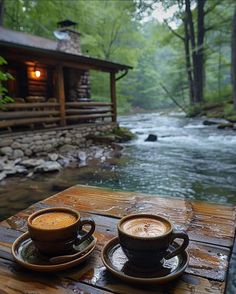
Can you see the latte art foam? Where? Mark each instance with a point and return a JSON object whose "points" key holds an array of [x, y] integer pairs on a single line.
{"points": [[145, 227]]}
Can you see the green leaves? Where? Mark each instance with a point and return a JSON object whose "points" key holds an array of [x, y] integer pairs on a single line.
{"points": [[4, 76], [126, 31]]}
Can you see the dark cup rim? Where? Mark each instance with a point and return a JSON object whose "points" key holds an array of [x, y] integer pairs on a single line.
{"points": [[52, 209], [143, 215]]}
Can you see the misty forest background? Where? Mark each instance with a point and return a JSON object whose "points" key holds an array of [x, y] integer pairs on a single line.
{"points": [[185, 60]]}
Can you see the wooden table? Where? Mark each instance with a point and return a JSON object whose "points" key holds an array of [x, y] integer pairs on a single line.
{"points": [[210, 227]]}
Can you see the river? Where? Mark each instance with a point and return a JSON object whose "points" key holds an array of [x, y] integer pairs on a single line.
{"points": [[189, 160]]}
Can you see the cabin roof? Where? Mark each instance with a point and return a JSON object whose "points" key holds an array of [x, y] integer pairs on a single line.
{"points": [[15, 39]]}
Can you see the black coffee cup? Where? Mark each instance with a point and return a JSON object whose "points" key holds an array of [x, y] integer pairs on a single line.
{"points": [[146, 239], [58, 230]]}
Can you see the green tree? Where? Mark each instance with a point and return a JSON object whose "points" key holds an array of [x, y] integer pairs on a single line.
{"points": [[234, 57], [4, 76]]}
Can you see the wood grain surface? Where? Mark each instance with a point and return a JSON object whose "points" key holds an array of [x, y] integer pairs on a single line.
{"points": [[210, 227]]}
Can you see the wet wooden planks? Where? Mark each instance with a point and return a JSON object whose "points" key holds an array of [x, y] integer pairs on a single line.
{"points": [[208, 260], [14, 279], [205, 260], [211, 223]]}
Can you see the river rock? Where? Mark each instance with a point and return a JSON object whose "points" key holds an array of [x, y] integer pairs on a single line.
{"points": [[6, 151], [2, 176], [21, 169], [53, 156], [32, 162], [98, 153], [27, 140], [82, 156], [30, 174], [48, 166], [11, 169], [151, 138], [2, 162], [5, 142], [210, 122], [67, 148], [16, 161], [64, 161], [15, 145], [225, 126], [37, 137], [18, 153], [67, 140], [28, 152]]}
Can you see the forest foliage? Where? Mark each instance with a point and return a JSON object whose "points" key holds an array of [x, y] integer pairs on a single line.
{"points": [[128, 32]]}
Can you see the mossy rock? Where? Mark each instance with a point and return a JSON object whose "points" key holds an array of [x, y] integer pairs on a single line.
{"points": [[215, 114], [225, 126], [124, 134], [231, 118]]}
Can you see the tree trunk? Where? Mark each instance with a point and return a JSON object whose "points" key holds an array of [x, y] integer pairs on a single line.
{"points": [[219, 66], [1, 12], [233, 56], [197, 47], [200, 51], [191, 32], [188, 61]]}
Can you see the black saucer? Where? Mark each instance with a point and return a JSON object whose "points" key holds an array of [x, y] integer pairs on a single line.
{"points": [[117, 263], [26, 254]]}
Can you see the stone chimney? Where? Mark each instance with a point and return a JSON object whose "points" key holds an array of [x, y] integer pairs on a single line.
{"points": [[71, 43], [77, 82], [68, 38]]}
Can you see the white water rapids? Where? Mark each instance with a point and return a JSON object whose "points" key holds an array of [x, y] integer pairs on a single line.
{"points": [[188, 160]]}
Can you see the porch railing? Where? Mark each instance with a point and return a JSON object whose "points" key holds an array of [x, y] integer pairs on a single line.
{"points": [[43, 114]]}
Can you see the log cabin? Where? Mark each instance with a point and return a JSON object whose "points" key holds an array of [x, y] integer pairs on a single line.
{"points": [[51, 85]]}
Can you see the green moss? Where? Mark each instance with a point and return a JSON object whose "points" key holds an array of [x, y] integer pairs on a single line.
{"points": [[194, 110], [124, 133], [216, 113], [214, 110], [231, 118]]}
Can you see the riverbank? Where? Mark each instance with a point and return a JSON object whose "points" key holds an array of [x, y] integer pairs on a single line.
{"points": [[222, 110], [28, 153], [29, 179], [19, 191]]}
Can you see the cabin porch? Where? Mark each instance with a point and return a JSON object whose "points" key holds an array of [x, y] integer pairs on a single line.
{"points": [[47, 100], [52, 88]]}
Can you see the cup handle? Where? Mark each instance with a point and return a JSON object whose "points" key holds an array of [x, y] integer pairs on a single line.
{"points": [[175, 235], [83, 222]]}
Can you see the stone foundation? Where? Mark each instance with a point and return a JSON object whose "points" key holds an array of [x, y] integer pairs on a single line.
{"points": [[35, 143]]}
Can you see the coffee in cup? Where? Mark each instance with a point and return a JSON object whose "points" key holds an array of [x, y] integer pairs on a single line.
{"points": [[146, 239], [145, 227], [55, 231], [54, 220]]}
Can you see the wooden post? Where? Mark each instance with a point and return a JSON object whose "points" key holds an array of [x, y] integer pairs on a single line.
{"points": [[61, 93], [113, 95]]}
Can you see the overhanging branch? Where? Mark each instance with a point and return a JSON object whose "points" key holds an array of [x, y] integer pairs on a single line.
{"points": [[173, 31]]}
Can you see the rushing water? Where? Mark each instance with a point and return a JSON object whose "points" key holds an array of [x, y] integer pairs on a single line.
{"points": [[189, 159]]}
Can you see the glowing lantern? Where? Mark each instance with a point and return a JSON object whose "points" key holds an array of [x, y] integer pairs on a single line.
{"points": [[37, 73]]}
